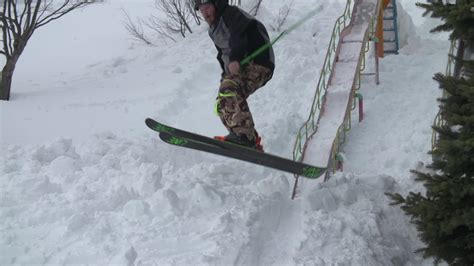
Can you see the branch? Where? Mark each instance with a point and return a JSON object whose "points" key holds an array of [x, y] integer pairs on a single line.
{"points": [[135, 30], [283, 13], [15, 21], [58, 13], [174, 23], [6, 35], [160, 27], [255, 9], [23, 13], [19, 23]]}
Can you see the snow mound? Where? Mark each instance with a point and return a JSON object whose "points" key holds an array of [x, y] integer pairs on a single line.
{"points": [[363, 228]]}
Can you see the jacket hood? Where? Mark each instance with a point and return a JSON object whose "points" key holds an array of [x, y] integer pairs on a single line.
{"points": [[221, 5]]}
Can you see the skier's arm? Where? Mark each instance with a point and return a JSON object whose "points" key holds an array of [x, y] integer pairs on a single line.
{"points": [[219, 58]]}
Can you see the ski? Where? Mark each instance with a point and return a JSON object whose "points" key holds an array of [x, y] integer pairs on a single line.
{"points": [[181, 138]]}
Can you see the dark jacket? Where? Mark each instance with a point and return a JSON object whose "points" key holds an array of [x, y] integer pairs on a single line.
{"points": [[236, 34]]}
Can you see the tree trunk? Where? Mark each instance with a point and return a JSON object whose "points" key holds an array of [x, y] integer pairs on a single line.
{"points": [[8, 69], [6, 80], [459, 57]]}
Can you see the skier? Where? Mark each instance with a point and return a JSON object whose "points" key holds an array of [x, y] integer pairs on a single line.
{"points": [[236, 34]]}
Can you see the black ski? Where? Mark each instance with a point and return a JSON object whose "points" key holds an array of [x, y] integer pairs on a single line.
{"points": [[194, 141]]}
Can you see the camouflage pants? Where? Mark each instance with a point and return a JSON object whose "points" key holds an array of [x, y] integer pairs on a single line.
{"points": [[234, 90]]}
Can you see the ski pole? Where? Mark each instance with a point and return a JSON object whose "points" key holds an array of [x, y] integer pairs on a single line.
{"points": [[283, 33]]}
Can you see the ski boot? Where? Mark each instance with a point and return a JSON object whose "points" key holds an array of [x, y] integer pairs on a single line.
{"points": [[242, 140]]}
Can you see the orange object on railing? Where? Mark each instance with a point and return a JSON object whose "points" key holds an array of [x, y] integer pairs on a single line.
{"points": [[379, 29]]}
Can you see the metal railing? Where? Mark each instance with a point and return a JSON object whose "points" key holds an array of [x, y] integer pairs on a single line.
{"points": [[310, 126], [347, 124]]}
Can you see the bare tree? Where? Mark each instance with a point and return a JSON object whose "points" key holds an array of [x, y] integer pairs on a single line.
{"points": [[194, 13], [177, 17], [254, 10], [136, 30], [175, 21], [283, 13], [18, 23]]}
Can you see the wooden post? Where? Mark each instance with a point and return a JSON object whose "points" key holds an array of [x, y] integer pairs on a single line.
{"points": [[379, 28]]}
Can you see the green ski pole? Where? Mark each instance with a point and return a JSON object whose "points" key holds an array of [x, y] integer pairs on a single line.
{"points": [[283, 33]]}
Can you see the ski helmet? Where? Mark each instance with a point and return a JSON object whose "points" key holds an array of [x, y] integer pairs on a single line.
{"points": [[197, 3]]}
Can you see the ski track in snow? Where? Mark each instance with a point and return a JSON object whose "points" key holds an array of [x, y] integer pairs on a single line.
{"points": [[85, 182]]}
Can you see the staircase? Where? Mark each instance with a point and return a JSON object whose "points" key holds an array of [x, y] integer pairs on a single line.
{"points": [[390, 29]]}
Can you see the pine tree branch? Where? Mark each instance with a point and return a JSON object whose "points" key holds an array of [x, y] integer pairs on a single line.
{"points": [[396, 198]]}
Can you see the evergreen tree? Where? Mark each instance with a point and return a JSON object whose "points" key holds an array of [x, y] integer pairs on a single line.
{"points": [[457, 17], [444, 216]]}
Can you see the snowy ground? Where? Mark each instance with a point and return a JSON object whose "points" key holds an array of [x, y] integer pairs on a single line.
{"points": [[85, 182]]}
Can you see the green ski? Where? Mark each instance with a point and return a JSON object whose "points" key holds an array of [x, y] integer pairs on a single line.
{"points": [[194, 141]]}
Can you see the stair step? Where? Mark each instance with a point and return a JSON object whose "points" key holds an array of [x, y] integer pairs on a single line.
{"points": [[390, 47], [389, 24], [390, 28], [389, 34]]}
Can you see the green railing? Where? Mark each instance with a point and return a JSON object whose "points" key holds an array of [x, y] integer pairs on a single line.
{"points": [[310, 126], [361, 66], [438, 121], [346, 126]]}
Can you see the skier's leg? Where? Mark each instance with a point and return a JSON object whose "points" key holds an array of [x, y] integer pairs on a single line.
{"points": [[254, 77], [232, 104]]}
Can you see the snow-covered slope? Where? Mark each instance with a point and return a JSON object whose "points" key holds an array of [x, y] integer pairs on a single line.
{"points": [[85, 182]]}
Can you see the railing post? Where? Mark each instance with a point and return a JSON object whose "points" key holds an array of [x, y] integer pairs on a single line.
{"points": [[376, 57], [339, 162], [361, 106]]}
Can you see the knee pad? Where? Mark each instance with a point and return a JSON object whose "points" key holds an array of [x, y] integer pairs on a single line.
{"points": [[220, 96]]}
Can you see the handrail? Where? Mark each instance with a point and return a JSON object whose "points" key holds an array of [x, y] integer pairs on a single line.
{"points": [[346, 125], [310, 127], [438, 121]]}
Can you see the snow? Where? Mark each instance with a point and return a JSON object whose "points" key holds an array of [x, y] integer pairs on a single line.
{"points": [[85, 182]]}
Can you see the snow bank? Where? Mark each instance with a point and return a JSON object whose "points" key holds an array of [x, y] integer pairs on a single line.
{"points": [[114, 200], [406, 27], [363, 228], [410, 13]]}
